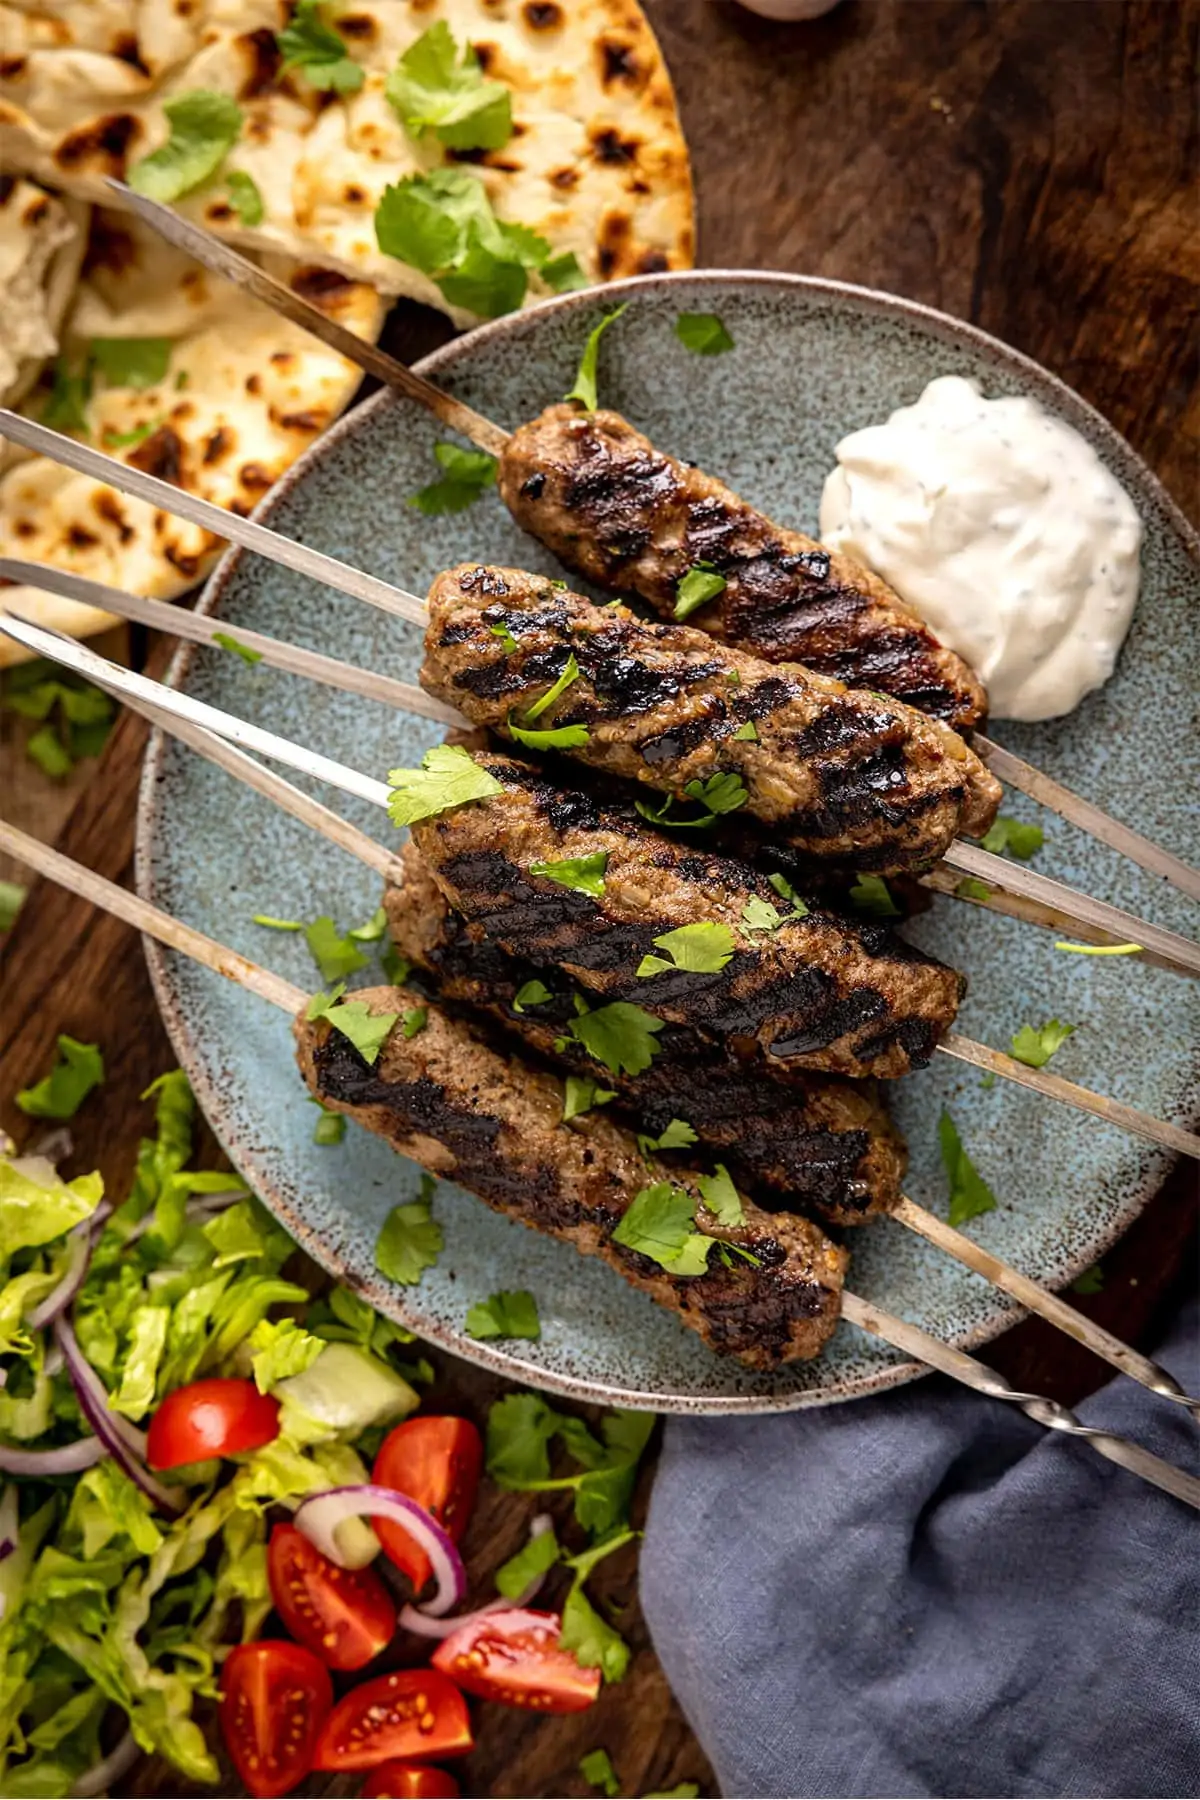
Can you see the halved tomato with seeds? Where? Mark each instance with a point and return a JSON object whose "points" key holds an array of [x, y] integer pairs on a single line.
{"points": [[344, 1616], [410, 1714], [275, 1697], [514, 1657], [409, 1781], [435, 1460]]}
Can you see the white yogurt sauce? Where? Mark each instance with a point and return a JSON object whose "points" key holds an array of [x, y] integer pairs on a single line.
{"points": [[1002, 528]]}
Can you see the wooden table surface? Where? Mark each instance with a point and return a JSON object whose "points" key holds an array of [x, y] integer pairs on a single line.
{"points": [[1029, 166]]}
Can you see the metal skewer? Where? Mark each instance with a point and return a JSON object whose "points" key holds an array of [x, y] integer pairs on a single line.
{"points": [[124, 682], [228, 263], [1061, 905], [910, 1339], [374, 856]]}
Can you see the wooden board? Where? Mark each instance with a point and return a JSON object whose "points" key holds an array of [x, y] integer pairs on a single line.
{"points": [[1024, 166]]}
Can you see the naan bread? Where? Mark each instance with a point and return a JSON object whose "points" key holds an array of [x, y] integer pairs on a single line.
{"points": [[243, 394], [597, 164], [42, 241]]}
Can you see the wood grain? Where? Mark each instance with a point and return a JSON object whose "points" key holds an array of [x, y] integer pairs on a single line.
{"points": [[1029, 166]]}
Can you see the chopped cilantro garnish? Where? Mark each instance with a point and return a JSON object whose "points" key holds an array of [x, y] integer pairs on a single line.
{"points": [[747, 733], [435, 87], [520, 1429], [702, 949], [871, 894], [308, 43], [721, 793], [721, 1197], [563, 274], [442, 223], [506, 637], [1090, 1282], [760, 915], [1035, 1045], [126, 440], [131, 362], [685, 1790], [970, 1194], [585, 381], [970, 888], [448, 777], [225, 642], [660, 1223], [1100, 949], [76, 717], [590, 1638], [45, 749], [569, 674], [786, 891], [274, 924], [411, 1239], [702, 333], [396, 968], [330, 1128], [336, 956], [561, 737], [508, 1314], [367, 1031], [582, 1094], [532, 993], [1019, 839], [677, 1136], [583, 873], [597, 1770], [532, 1560], [245, 197], [620, 1036], [204, 127], [65, 407], [416, 1018], [700, 585], [12, 898], [80, 1068], [372, 930], [467, 474]]}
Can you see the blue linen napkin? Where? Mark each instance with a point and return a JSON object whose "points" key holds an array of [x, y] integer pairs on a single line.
{"points": [[925, 1593]]}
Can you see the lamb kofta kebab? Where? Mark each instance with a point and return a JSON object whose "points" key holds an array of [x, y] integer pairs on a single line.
{"points": [[668, 700], [450, 1101], [825, 1145], [867, 1035], [627, 516]]}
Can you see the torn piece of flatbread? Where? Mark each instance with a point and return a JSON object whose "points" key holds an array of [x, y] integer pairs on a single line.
{"points": [[42, 239], [241, 394], [597, 164]]}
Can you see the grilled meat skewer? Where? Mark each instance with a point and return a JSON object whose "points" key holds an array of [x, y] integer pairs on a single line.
{"points": [[468, 1111], [849, 777], [820, 1144], [628, 517], [814, 992]]}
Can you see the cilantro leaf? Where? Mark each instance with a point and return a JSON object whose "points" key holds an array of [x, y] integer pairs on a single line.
{"points": [[702, 333], [372, 930], [786, 891], [12, 898], [538, 1555], [435, 88], [531, 993], [970, 1194], [125, 440], [721, 793], [582, 1094], [701, 949], [51, 756], [367, 1031], [245, 197], [660, 1223], [467, 474], [583, 873], [871, 894], [747, 733], [685, 1790], [519, 1430], [700, 585], [760, 915], [1019, 839], [677, 1136], [310, 44], [620, 1036], [506, 638], [335, 956], [597, 1770], [721, 1197], [969, 888], [131, 362], [65, 407], [415, 1019], [442, 223], [204, 128], [80, 1068], [397, 968], [562, 737], [226, 642], [591, 1639], [1076, 949], [330, 1128], [274, 924], [448, 777], [1090, 1282], [411, 1239], [1035, 1045], [569, 674], [585, 381], [563, 274], [508, 1314]]}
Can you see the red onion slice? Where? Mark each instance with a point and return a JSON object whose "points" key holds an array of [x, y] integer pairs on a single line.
{"points": [[79, 1255], [319, 1515], [101, 1776], [9, 1521], [414, 1620], [125, 1442], [64, 1459]]}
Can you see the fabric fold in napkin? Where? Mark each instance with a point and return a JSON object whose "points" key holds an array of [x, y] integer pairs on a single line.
{"points": [[927, 1594]]}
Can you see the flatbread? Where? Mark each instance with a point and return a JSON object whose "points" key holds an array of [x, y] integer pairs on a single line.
{"points": [[42, 241], [243, 394], [598, 163]]}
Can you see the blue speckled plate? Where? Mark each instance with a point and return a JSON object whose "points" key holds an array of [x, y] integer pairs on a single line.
{"points": [[813, 360]]}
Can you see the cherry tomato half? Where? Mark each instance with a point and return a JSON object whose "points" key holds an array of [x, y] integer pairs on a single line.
{"points": [[344, 1616], [411, 1714], [435, 1461], [275, 1697], [210, 1418], [514, 1657], [409, 1781]]}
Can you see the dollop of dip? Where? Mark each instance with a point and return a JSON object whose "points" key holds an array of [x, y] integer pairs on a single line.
{"points": [[1002, 528]]}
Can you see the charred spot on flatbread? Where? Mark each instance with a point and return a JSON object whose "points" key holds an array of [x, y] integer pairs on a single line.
{"points": [[160, 454], [100, 147], [261, 60]]}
